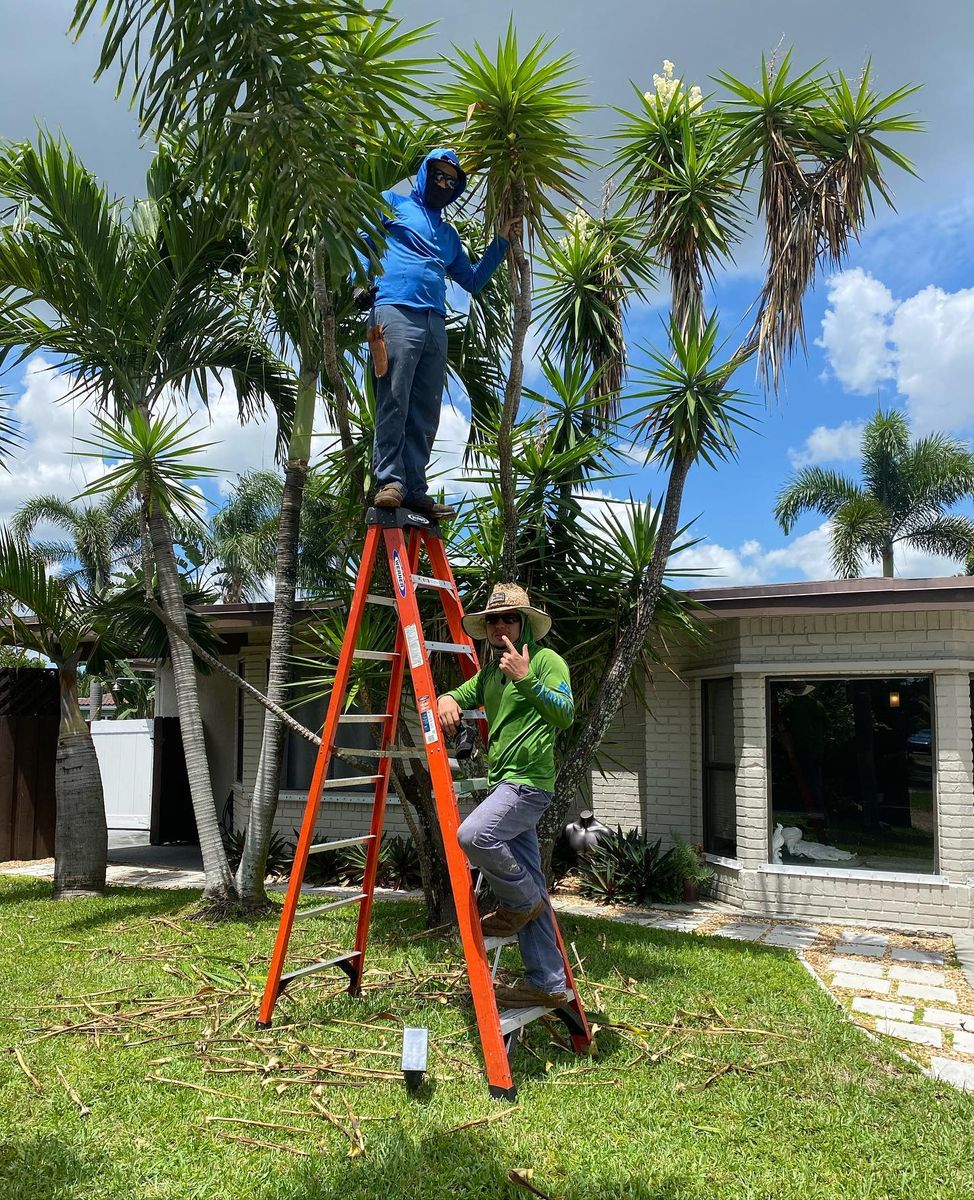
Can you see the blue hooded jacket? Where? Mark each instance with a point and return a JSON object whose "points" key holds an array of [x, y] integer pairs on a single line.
{"points": [[422, 248]]}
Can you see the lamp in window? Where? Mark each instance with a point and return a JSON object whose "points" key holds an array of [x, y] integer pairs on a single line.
{"points": [[894, 699]]}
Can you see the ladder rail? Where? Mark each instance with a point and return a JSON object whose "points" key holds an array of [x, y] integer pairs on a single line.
{"points": [[272, 988], [461, 881]]}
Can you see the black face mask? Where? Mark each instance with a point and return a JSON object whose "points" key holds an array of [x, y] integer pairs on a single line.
{"points": [[434, 196]]}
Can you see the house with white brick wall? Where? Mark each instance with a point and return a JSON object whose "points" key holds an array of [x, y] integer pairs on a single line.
{"points": [[817, 744]]}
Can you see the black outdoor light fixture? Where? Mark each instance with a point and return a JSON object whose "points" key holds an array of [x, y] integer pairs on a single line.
{"points": [[894, 699]]}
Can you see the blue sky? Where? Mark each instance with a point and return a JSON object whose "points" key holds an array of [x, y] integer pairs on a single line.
{"points": [[897, 325]]}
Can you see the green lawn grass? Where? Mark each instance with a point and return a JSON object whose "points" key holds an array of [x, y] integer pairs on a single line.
{"points": [[654, 1115]]}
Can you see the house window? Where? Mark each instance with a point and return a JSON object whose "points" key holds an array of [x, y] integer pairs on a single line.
{"points": [[719, 796], [851, 768], [309, 707]]}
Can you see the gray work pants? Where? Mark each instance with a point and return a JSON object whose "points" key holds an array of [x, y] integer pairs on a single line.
{"points": [[500, 839]]}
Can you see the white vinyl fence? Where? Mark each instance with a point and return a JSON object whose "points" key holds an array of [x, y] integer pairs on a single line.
{"points": [[124, 750]]}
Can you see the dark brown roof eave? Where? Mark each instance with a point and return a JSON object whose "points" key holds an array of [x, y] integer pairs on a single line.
{"points": [[835, 595]]}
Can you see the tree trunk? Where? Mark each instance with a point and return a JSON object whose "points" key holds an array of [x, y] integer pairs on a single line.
{"points": [[81, 833], [521, 289], [333, 370], [888, 561], [250, 873], [618, 672], [218, 882], [94, 698]]}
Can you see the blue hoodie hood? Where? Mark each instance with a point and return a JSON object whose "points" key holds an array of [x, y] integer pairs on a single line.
{"points": [[441, 154]]}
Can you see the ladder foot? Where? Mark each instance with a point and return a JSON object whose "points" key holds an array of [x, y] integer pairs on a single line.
{"points": [[502, 1093], [263, 1024]]}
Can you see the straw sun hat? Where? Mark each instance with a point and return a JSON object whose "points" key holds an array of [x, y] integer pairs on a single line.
{"points": [[508, 597]]}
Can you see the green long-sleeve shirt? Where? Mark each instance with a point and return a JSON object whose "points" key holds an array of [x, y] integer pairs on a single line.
{"points": [[523, 716]]}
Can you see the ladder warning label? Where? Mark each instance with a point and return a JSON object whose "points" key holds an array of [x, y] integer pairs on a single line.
{"points": [[426, 720], [413, 646]]}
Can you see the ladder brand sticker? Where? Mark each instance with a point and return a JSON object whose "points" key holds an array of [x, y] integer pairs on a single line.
{"points": [[427, 720], [413, 646], [400, 574]]}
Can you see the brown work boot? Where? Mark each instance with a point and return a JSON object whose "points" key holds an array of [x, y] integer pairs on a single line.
{"points": [[503, 922], [389, 496], [524, 996], [430, 507]]}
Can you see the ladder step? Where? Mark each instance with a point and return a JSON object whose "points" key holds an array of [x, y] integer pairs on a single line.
{"points": [[372, 598], [427, 581], [517, 1018], [465, 787], [363, 718], [318, 966], [351, 781], [391, 752], [349, 841], [473, 714], [377, 655], [343, 903], [494, 943], [451, 648]]}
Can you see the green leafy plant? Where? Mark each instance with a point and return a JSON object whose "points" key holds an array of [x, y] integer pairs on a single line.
{"points": [[627, 868], [280, 855]]}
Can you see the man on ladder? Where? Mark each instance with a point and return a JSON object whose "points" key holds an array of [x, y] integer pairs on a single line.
{"points": [[526, 694]]}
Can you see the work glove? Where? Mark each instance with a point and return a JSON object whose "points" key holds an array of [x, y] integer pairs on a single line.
{"points": [[364, 297]]}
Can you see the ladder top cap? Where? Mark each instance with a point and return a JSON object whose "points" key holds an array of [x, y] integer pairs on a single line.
{"points": [[401, 518]]}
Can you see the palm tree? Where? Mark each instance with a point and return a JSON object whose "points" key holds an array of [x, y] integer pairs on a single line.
{"points": [[139, 306], [905, 491], [64, 620], [101, 539]]}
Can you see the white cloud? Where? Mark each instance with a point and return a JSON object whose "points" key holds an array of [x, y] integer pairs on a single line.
{"points": [[924, 344], [855, 330], [54, 428], [824, 444], [808, 556]]}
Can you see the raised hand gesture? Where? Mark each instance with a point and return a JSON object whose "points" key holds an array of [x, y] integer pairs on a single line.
{"points": [[515, 663]]}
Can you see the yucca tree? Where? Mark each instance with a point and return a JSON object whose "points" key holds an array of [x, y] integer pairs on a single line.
{"points": [[905, 491], [101, 539], [591, 275], [517, 117], [816, 147], [139, 306], [58, 619]]}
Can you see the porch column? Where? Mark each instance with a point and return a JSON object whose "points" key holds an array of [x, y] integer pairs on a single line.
{"points": [[751, 776], [954, 774]]}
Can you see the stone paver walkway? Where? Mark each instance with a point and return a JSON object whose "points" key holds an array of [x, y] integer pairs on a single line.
{"points": [[917, 996]]}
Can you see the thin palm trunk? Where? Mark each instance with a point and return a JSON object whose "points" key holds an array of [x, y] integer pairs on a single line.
{"points": [[250, 873], [81, 832], [218, 884], [94, 698], [888, 561], [521, 289]]}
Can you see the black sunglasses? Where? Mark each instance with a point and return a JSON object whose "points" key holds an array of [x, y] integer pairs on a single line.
{"points": [[451, 181], [507, 618]]}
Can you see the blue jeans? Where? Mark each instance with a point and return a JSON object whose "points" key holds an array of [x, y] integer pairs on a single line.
{"points": [[408, 396], [500, 839]]}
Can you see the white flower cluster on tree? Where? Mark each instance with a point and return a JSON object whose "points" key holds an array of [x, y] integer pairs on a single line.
{"points": [[666, 87]]}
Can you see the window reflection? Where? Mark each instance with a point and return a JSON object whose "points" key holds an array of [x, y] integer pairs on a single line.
{"points": [[851, 764]]}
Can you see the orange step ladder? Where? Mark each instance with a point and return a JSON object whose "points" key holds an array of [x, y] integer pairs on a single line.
{"points": [[404, 535]]}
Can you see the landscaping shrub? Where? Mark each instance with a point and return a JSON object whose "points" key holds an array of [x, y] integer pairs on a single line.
{"points": [[627, 868]]}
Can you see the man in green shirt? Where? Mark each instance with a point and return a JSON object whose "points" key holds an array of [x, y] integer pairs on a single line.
{"points": [[527, 697]]}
